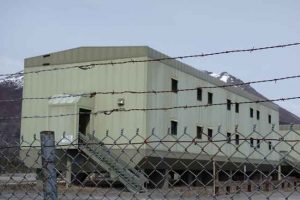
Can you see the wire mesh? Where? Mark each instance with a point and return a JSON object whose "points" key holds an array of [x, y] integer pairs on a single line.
{"points": [[255, 165]]}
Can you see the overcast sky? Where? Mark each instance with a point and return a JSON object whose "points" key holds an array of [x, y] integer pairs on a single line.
{"points": [[34, 27]]}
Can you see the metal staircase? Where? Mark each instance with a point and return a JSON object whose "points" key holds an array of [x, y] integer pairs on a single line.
{"points": [[118, 169]]}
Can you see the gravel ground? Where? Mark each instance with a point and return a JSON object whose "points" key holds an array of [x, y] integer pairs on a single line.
{"points": [[26, 187], [80, 193]]}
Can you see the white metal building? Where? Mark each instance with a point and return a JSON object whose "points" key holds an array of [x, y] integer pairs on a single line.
{"points": [[236, 120]]}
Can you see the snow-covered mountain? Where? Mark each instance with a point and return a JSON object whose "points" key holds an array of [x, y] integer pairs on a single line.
{"points": [[15, 80], [285, 117], [10, 88], [230, 79]]}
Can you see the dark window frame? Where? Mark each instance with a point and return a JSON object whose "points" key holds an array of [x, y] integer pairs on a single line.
{"points": [[237, 107], [210, 97], [46, 55], [237, 139], [174, 85], [258, 143], [251, 142], [251, 112], [229, 104], [199, 132], [270, 119], [174, 127], [270, 145], [258, 115], [199, 94], [210, 134], [229, 137]]}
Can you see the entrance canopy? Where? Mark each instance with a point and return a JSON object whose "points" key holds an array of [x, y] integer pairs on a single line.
{"points": [[67, 107]]}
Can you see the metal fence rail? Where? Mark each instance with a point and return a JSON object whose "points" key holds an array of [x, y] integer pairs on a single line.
{"points": [[253, 165]]}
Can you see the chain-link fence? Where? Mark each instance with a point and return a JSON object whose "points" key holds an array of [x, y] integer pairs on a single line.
{"points": [[224, 166]]}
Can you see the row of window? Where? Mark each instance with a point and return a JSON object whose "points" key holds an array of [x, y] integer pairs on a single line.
{"points": [[174, 88], [258, 115], [229, 102], [237, 106], [258, 143], [200, 133]]}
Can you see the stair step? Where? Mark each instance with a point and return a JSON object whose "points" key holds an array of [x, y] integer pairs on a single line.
{"points": [[130, 177]]}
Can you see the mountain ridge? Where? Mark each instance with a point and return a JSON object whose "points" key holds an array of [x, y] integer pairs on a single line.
{"points": [[10, 88], [285, 116]]}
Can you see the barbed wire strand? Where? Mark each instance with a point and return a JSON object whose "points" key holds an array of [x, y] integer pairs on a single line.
{"points": [[194, 140], [109, 112], [91, 94], [90, 66]]}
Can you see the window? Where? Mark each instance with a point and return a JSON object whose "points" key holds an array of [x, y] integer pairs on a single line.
{"points": [[237, 139], [270, 119], [258, 143], [199, 94], [209, 134], [251, 142], [251, 112], [257, 115], [228, 137], [237, 107], [209, 98], [174, 85], [228, 104], [174, 128], [47, 55], [270, 145], [199, 132]]}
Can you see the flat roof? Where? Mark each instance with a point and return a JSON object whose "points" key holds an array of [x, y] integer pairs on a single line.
{"points": [[90, 54]]}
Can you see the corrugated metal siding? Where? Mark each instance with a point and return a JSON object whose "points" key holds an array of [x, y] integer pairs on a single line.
{"points": [[89, 54], [291, 137], [108, 78], [159, 78], [141, 77]]}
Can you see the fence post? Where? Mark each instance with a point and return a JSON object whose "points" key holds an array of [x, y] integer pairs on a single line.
{"points": [[279, 173], [215, 190], [48, 165]]}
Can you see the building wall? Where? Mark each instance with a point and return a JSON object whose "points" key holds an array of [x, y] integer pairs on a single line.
{"points": [[149, 76], [290, 143], [105, 78], [159, 78]]}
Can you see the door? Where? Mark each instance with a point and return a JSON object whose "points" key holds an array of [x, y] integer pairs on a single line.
{"points": [[84, 121]]}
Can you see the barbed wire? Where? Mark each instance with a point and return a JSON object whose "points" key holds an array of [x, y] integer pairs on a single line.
{"points": [[109, 112], [91, 94], [145, 142], [90, 66]]}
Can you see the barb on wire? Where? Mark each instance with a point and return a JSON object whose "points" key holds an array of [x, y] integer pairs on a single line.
{"points": [[193, 141], [92, 94], [109, 112], [89, 66]]}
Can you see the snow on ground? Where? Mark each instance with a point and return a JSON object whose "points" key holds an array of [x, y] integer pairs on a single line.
{"points": [[225, 78], [215, 75]]}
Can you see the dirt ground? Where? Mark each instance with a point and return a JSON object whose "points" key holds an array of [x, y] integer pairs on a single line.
{"points": [[28, 192]]}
